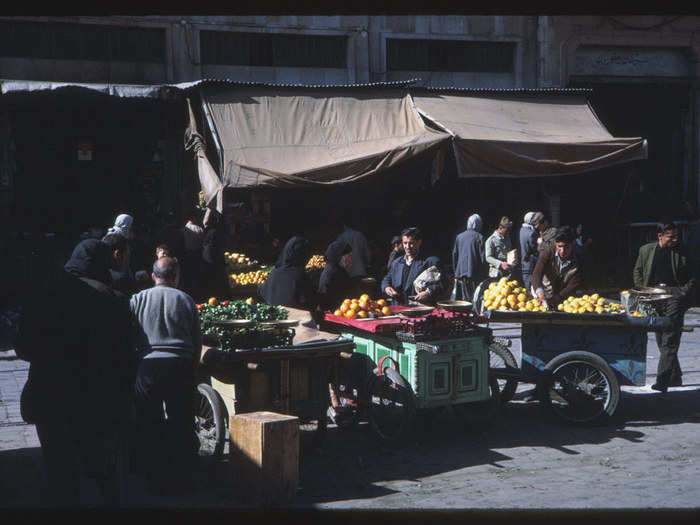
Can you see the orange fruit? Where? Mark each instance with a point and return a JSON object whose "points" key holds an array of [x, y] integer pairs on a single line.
{"points": [[362, 314], [351, 314], [343, 308], [354, 307], [385, 310], [346, 301], [338, 312], [212, 301], [364, 297], [381, 302]]}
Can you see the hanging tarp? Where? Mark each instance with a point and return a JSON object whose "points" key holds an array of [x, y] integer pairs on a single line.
{"points": [[526, 135], [296, 137]]}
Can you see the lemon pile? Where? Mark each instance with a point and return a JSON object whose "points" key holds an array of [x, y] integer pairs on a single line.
{"points": [[509, 295], [237, 261], [589, 304], [247, 278], [316, 262]]}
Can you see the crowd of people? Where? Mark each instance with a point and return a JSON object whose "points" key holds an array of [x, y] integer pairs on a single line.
{"points": [[114, 348]]}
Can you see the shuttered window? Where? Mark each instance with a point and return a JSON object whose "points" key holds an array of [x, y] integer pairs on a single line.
{"points": [[66, 41], [404, 54], [272, 50]]}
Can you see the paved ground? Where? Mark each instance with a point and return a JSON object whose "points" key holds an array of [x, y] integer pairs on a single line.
{"points": [[647, 457]]}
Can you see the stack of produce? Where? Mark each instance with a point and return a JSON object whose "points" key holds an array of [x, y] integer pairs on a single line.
{"points": [[236, 262], [589, 304], [510, 296], [215, 310], [362, 308], [317, 262], [247, 278]]}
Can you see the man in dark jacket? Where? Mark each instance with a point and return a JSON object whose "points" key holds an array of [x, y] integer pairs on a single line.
{"points": [[665, 263], [561, 267], [77, 334], [468, 258], [288, 284], [398, 283], [528, 246]]}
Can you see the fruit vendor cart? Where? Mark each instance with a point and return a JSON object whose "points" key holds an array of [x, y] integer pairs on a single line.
{"points": [[415, 360], [285, 368], [576, 361]]}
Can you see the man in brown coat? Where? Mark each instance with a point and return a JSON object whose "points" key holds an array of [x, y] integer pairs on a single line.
{"points": [[561, 266]]}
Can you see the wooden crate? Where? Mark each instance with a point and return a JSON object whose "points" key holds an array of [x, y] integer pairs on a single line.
{"points": [[265, 457]]}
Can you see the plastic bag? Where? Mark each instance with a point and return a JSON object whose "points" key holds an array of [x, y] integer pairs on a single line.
{"points": [[427, 277]]}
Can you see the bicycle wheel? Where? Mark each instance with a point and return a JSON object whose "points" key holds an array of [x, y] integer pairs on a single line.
{"points": [[210, 421], [500, 358]]}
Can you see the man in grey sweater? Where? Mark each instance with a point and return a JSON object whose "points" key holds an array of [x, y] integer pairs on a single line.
{"points": [[170, 343]]}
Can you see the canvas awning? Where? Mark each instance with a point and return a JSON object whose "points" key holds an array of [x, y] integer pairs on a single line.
{"points": [[525, 135], [296, 137]]}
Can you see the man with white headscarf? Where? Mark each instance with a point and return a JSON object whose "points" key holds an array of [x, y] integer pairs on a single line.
{"points": [[528, 246], [468, 259]]}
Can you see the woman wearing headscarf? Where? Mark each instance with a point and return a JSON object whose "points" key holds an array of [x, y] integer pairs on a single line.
{"points": [[124, 278], [468, 259], [528, 246], [213, 265], [335, 283], [288, 283]]}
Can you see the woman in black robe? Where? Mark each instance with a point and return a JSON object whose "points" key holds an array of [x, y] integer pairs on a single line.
{"points": [[288, 283], [335, 283]]}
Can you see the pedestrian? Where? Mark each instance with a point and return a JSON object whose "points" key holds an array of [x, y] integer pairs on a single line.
{"points": [[398, 283], [162, 250], [665, 263], [170, 345], [213, 279], [194, 238], [468, 259], [360, 248], [173, 236], [546, 231], [334, 283], [288, 283], [125, 279], [497, 247], [77, 334], [528, 246], [396, 250]]}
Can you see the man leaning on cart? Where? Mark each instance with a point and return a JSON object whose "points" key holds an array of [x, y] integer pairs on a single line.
{"points": [[561, 266], [664, 263]]}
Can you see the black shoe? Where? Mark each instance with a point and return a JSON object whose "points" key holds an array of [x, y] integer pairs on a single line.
{"points": [[677, 382], [659, 388]]}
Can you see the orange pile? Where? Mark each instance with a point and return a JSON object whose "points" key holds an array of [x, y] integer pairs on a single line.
{"points": [[362, 308]]}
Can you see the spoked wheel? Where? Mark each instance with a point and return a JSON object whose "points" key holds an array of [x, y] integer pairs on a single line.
{"points": [[579, 387], [391, 406], [479, 415], [500, 358], [209, 421], [348, 415]]}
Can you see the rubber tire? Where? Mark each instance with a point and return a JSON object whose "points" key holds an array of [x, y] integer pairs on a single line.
{"points": [[410, 401], [219, 412], [480, 416], [508, 358], [545, 381]]}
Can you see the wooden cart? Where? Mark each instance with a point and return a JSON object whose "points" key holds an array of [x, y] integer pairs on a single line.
{"points": [[290, 380]]}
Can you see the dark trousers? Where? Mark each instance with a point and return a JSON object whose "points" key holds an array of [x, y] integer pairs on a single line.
{"points": [[669, 369], [464, 289], [72, 450], [165, 444]]}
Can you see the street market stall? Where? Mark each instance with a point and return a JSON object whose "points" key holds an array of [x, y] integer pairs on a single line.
{"points": [[273, 360], [421, 359], [576, 360]]}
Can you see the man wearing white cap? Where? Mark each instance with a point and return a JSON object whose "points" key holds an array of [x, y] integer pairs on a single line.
{"points": [[123, 279]]}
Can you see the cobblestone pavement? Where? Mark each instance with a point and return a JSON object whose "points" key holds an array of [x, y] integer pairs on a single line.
{"points": [[648, 456]]}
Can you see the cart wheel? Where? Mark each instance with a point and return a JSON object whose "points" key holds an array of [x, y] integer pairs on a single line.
{"points": [[481, 414], [579, 387], [478, 298], [210, 421], [391, 406], [501, 358]]}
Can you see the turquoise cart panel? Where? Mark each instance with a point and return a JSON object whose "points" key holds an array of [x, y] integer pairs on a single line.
{"points": [[623, 348], [457, 374]]}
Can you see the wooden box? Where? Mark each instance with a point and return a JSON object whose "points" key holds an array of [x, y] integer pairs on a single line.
{"points": [[265, 457]]}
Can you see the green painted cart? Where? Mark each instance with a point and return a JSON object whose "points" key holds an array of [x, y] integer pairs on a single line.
{"points": [[393, 379]]}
